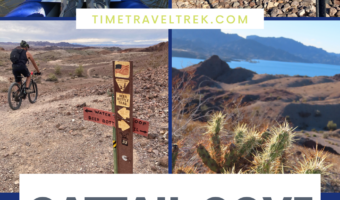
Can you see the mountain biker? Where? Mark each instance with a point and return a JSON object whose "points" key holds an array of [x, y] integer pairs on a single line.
{"points": [[19, 66]]}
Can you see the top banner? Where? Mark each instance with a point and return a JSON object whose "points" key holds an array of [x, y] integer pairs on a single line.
{"points": [[170, 19]]}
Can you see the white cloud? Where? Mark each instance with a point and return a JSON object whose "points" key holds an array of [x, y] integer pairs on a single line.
{"points": [[65, 31]]}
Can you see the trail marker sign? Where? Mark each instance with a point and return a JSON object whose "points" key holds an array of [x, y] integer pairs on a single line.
{"points": [[122, 114], [140, 127], [99, 116], [123, 92]]}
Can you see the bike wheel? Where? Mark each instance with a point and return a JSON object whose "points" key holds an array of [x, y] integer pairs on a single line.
{"points": [[14, 99], [32, 97]]}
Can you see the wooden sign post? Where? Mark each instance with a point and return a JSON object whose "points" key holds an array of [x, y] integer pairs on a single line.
{"points": [[123, 94], [121, 118]]}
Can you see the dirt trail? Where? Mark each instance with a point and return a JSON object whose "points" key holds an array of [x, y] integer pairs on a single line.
{"points": [[51, 136]]}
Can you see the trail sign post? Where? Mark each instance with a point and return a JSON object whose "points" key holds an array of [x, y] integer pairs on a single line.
{"points": [[123, 104], [121, 118]]}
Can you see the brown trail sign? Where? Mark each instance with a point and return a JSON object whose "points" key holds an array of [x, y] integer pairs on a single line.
{"points": [[121, 113], [122, 85], [140, 127]]}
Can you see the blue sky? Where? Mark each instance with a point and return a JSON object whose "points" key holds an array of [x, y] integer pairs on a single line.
{"points": [[321, 34], [65, 31]]}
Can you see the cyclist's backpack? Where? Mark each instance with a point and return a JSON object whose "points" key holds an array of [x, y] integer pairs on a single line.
{"points": [[15, 55]]}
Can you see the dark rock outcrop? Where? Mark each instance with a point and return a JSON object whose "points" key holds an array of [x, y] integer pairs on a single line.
{"points": [[306, 142], [218, 70]]}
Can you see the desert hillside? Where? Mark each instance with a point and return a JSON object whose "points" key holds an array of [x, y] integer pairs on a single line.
{"points": [[51, 136], [309, 104]]}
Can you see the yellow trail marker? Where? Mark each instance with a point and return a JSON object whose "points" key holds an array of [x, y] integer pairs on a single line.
{"points": [[123, 100], [122, 69], [122, 83], [124, 113], [123, 125]]}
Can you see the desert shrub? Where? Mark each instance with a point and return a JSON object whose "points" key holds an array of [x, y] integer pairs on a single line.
{"points": [[314, 130], [331, 125], [314, 135], [52, 77], [57, 70], [325, 136], [79, 71], [4, 90]]}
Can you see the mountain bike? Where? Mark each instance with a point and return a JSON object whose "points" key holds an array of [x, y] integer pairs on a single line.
{"points": [[16, 92]]}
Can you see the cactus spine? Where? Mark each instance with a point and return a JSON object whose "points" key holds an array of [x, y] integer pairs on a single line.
{"points": [[246, 141], [270, 160]]}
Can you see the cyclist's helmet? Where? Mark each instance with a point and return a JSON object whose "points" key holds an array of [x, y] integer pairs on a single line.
{"points": [[24, 44]]}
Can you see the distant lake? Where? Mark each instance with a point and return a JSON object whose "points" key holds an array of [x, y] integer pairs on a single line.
{"points": [[271, 67]]}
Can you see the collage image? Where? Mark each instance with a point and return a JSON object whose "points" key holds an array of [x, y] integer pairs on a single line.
{"points": [[177, 101]]}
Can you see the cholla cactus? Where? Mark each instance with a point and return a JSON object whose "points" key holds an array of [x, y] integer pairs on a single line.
{"points": [[232, 171], [262, 152], [215, 126], [246, 140], [252, 151], [270, 160], [314, 164], [240, 131]]}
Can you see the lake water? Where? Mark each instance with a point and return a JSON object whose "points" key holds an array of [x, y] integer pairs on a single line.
{"points": [[271, 67]]}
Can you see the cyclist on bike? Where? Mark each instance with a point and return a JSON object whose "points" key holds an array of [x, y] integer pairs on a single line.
{"points": [[19, 58]]}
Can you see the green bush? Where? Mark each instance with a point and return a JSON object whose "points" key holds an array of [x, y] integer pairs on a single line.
{"points": [[314, 135], [79, 71], [331, 125], [52, 77], [57, 70]]}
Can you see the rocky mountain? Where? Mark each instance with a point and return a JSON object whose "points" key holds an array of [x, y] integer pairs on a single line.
{"points": [[44, 44], [204, 43], [314, 54], [163, 46], [212, 72]]}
